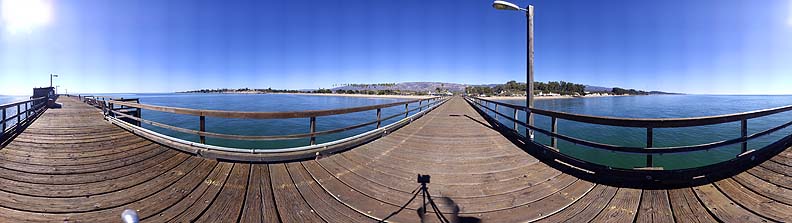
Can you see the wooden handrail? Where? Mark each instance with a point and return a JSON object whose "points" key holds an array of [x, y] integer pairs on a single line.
{"points": [[262, 115], [20, 102], [649, 122]]}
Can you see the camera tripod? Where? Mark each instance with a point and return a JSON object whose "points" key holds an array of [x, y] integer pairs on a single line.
{"points": [[424, 191]]}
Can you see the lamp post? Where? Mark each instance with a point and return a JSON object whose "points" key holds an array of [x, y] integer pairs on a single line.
{"points": [[51, 76], [529, 13]]}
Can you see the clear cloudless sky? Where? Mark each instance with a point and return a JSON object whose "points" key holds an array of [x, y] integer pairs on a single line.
{"points": [[105, 46]]}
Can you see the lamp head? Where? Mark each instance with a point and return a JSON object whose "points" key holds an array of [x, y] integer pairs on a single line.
{"points": [[504, 5]]}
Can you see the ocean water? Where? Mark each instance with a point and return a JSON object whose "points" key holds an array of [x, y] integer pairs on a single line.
{"points": [[11, 111], [659, 106], [267, 127], [656, 106]]}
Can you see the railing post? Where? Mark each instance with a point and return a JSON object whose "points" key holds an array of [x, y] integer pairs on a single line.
{"points": [[3, 121], [516, 119], [313, 129], [406, 110], [554, 128], [139, 115], [649, 144], [420, 108], [27, 111], [379, 115], [496, 112], [744, 134], [18, 114], [203, 129]]}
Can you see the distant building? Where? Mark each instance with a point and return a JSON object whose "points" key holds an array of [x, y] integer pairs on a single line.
{"points": [[44, 92], [549, 94]]}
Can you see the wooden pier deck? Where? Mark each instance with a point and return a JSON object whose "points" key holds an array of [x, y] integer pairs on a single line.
{"points": [[71, 165]]}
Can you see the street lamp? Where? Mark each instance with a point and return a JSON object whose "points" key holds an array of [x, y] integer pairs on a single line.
{"points": [[529, 13], [51, 76]]}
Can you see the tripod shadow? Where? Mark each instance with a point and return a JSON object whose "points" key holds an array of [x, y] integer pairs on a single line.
{"points": [[450, 210]]}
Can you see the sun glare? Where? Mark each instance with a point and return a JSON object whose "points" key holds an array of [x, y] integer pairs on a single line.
{"points": [[25, 15]]}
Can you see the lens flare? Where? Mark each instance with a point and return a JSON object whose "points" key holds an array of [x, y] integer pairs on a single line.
{"points": [[25, 15]]}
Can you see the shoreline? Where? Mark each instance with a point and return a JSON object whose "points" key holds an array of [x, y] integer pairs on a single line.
{"points": [[551, 97], [320, 94], [362, 95]]}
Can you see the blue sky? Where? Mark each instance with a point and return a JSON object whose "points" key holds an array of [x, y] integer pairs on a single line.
{"points": [[691, 46]]}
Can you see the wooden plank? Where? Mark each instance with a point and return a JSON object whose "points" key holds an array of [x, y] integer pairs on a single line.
{"points": [[687, 208], [771, 177], [325, 205], [228, 204], [772, 191], [291, 206], [585, 209], [655, 207], [722, 207], [196, 205], [195, 198], [622, 208], [754, 202], [253, 210], [360, 202]]}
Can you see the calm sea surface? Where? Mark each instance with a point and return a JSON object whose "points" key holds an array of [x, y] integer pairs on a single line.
{"points": [[267, 127], [661, 106]]}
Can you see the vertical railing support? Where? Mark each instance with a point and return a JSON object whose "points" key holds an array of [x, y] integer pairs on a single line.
{"points": [[379, 116], [420, 107], [19, 115], [516, 119], [3, 121], [27, 111], [203, 129], [406, 110], [554, 128], [744, 135], [313, 129], [649, 144], [496, 112], [139, 115]]}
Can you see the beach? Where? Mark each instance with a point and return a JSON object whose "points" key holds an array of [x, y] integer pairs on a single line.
{"points": [[550, 97], [364, 95]]}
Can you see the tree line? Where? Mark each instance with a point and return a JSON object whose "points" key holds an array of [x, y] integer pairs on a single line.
{"points": [[558, 87], [515, 88]]}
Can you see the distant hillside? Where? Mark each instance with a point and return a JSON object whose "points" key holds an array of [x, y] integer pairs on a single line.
{"points": [[458, 88], [590, 88], [406, 86]]}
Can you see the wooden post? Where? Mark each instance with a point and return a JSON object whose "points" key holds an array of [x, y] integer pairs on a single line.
{"points": [[379, 115], [203, 129], [496, 112], [139, 115], [18, 114], [406, 110], [530, 70], [516, 119], [420, 107], [649, 144], [744, 134], [3, 121], [313, 129], [554, 128], [27, 111]]}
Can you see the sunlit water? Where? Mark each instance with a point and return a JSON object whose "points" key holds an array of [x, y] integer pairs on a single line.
{"points": [[263, 127], [11, 111], [659, 106]]}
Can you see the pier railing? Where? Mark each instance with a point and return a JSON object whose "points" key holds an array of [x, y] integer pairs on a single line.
{"points": [[645, 123], [130, 111], [25, 111]]}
